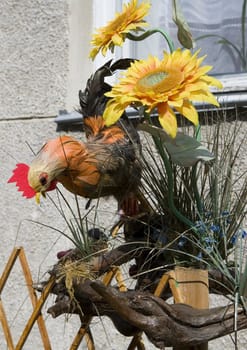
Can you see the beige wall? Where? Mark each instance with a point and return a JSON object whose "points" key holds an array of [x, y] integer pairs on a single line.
{"points": [[44, 55]]}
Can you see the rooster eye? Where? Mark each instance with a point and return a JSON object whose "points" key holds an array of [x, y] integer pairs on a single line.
{"points": [[43, 180]]}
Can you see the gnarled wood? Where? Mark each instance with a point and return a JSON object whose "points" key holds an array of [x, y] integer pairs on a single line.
{"points": [[135, 311], [164, 324]]}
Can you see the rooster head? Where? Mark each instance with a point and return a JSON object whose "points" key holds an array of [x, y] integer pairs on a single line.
{"points": [[20, 177], [40, 176], [48, 167]]}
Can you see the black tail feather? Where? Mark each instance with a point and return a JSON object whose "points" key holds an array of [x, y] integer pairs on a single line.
{"points": [[93, 99]]}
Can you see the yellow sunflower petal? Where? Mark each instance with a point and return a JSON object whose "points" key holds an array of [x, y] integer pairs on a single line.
{"points": [[113, 112], [212, 81], [114, 32], [201, 71], [189, 112], [200, 85], [204, 96], [167, 119], [93, 53], [117, 39]]}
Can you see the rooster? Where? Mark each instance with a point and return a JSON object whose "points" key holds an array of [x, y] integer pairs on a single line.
{"points": [[106, 165]]}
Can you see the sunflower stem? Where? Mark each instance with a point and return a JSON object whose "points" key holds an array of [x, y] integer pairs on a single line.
{"points": [[194, 173], [148, 33], [195, 187], [170, 195], [170, 180]]}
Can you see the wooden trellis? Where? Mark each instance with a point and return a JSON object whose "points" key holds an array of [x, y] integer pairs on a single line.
{"points": [[37, 303]]}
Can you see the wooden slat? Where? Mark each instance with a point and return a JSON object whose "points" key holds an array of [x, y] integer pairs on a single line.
{"points": [[5, 326], [84, 329], [9, 266], [191, 288], [34, 300], [120, 281], [89, 340], [136, 343], [162, 284], [3, 279], [35, 313]]}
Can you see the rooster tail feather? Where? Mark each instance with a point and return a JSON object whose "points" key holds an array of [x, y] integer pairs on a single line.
{"points": [[93, 99], [123, 63]]}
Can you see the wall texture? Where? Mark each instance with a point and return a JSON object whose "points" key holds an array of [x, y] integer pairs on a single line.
{"points": [[44, 62], [34, 57]]}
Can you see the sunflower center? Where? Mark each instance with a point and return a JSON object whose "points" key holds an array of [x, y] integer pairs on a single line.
{"points": [[160, 81]]}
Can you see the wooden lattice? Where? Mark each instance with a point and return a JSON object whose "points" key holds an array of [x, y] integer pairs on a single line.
{"points": [[37, 303]]}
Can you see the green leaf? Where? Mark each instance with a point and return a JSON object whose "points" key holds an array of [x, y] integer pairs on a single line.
{"points": [[184, 150]]}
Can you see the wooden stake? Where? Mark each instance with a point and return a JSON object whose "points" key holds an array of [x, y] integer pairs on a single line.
{"points": [[137, 343], [18, 252], [190, 286]]}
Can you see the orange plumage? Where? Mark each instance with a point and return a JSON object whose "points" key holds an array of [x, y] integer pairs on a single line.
{"points": [[107, 164]]}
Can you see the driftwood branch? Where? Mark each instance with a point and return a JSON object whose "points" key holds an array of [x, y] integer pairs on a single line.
{"points": [[171, 325], [137, 311], [164, 324]]}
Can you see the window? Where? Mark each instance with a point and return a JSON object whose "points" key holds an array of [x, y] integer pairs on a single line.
{"points": [[211, 17]]}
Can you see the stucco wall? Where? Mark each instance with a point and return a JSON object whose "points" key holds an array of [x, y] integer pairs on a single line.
{"points": [[34, 57]]}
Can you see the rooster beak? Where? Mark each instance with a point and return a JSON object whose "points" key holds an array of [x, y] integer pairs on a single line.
{"points": [[37, 197]]}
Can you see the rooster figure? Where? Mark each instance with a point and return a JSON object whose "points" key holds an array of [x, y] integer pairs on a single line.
{"points": [[106, 165]]}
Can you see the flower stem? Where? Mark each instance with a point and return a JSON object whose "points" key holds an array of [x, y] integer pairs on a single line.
{"points": [[170, 182], [151, 32]]}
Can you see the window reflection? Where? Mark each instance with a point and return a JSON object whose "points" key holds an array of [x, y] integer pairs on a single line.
{"points": [[211, 17]]}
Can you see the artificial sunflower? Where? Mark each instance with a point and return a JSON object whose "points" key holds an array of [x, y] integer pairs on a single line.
{"points": [[114, 33], [167, 84]]}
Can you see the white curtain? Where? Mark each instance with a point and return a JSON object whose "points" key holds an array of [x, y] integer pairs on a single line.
{"points": [[221, 17]]}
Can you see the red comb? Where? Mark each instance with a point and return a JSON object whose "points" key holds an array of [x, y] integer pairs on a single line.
{"points": [[20, 177]]}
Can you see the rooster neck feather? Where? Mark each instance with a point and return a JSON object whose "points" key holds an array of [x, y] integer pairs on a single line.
{"points": [[58, 153], [98, 132], [54, 157]]}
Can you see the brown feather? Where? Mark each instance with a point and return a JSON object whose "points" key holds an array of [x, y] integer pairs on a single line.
{"points": [[107, 164]]}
